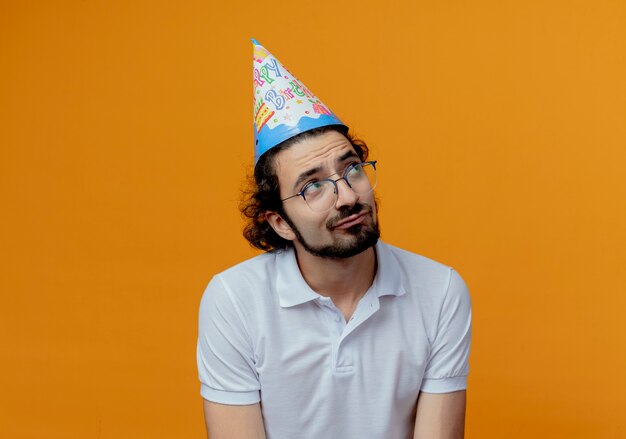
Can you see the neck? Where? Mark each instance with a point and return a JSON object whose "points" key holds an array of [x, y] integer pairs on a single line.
{"points": [[345, 281]]}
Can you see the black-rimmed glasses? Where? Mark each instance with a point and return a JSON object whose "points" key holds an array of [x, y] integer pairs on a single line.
{"points": [[321, 195]]}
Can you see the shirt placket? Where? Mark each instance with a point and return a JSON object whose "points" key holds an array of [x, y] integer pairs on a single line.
{"points": [[336, 324], [342, 350]]}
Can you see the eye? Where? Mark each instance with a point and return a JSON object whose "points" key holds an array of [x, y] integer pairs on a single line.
{"points": [[354, 170], [314, 189]]}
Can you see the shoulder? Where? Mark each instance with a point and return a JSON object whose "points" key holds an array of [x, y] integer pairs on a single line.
{"points": [[414, 266], [254, 269], [406, 257], [243, 285], [434, 291], [430, 280]]}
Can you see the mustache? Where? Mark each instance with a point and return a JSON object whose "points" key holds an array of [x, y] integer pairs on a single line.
{"points": [[346, 211]]}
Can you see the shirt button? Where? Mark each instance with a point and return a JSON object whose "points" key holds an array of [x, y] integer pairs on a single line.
{"points": [[337, 318]]}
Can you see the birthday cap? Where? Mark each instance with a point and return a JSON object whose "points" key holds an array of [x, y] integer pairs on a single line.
{"points": [[283, 106]]}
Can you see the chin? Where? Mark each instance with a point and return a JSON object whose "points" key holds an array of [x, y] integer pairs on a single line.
{"points": [[360, 239]]}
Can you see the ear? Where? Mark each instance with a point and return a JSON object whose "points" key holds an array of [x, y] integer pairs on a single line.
{"points": [[280, 226]]}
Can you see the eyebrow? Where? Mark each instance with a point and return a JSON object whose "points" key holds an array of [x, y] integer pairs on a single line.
{"points": [[306, 174]]}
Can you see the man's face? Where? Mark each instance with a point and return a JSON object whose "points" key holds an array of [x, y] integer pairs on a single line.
{"points": [[351, 225]]}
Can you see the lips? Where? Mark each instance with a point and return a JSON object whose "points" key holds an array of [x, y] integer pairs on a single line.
{"points": [[351, 220]]}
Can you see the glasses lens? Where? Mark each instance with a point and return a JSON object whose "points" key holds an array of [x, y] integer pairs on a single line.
{"points": [[362, 178], [320, 196]]}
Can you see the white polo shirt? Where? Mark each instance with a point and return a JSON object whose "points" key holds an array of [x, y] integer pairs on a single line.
{"points": [[265, 335]]}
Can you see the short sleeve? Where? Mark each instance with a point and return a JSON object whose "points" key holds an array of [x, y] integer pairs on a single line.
{"points": [[448, 364], [225, 356]]}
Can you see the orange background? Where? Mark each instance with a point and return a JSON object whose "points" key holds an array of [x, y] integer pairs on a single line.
{"points": [[125, 128]]}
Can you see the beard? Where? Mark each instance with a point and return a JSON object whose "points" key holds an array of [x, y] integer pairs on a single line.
{"points": [[361, 237]]}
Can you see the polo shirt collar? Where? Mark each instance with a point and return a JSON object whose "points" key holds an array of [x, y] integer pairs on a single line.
{"points": [[388, 280], [293, 290], [291, 287]]}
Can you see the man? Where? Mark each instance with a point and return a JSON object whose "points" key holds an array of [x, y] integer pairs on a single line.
{"points": [[331, 333]]}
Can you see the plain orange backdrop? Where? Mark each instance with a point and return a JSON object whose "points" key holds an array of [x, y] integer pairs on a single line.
{"points": [[126, 134]]}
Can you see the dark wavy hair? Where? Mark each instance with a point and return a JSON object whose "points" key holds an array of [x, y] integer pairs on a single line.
{"points": [[263, 194]]}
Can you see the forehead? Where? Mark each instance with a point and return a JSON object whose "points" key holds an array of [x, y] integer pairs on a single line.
{"points": [[321, 150]]}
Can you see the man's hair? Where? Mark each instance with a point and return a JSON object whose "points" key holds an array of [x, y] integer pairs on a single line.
{"points": [[263, 193]]}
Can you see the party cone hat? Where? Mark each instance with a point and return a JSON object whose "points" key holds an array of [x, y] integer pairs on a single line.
{"points": [[283, 106]]}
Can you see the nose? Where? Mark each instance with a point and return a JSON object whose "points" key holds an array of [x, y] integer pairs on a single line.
{"points": [[345, 195]]}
